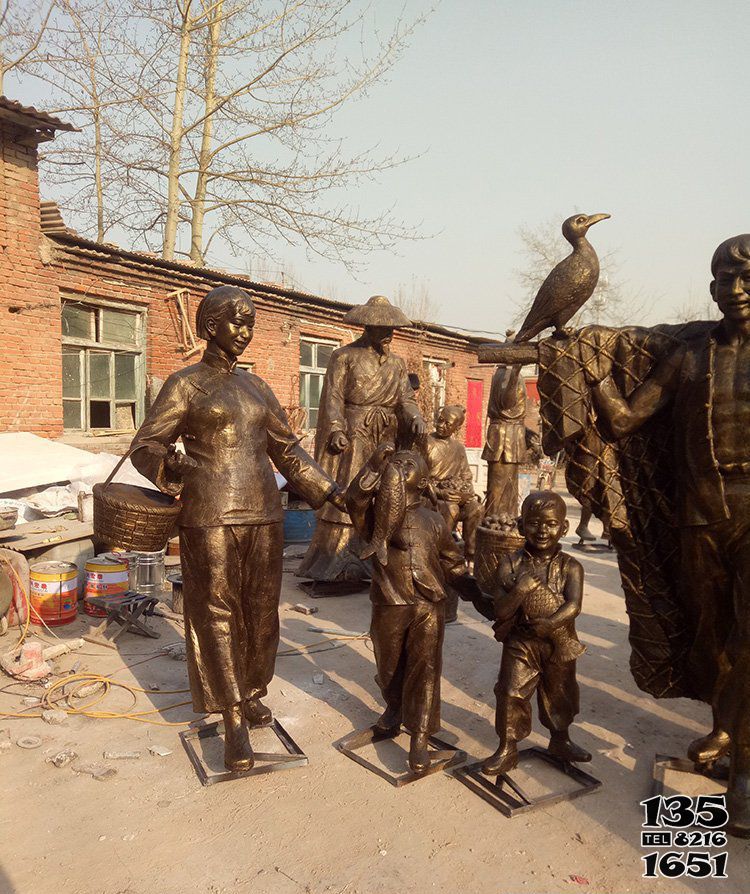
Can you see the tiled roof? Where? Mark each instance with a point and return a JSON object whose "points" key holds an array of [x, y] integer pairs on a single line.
{"points": [[28, 116], [68, 239], [52, 221]]}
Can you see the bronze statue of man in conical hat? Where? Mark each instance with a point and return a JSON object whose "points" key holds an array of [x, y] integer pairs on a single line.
{"points": [[366, 389]]}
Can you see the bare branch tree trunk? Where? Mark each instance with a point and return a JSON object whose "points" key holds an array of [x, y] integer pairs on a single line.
{"points": [[175, 141], [204, 158]]}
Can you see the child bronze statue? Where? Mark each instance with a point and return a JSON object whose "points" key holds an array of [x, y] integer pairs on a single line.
{"points": [[414, 557], [536, 600]]}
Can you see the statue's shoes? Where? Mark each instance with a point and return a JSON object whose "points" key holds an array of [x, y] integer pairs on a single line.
{"points": [[388, 724], [709, 748], [585, 534], [238, 753], [256, 713], [504, 759], [419, 753], [568, 751]]}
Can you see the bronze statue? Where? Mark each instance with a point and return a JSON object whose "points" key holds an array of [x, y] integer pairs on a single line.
{"points": [[365, 390], [414, 557], [231, 536], [654, 425], [537, 596], [505, 442], [569, 285], [451, 476]]}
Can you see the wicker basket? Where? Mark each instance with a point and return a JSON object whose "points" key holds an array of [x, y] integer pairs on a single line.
{"points": [[133, 518], [491, 545]]}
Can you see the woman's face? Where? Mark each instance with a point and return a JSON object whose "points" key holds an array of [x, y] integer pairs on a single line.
{"points": [[233, 332]]}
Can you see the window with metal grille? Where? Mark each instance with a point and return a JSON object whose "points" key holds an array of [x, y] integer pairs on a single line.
{"points": [[103, 365], [314, 356]]}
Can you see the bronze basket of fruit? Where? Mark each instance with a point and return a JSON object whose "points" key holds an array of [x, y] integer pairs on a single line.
{"points": [[498, 534]]}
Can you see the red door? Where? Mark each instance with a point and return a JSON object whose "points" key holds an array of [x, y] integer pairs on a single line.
{"points": [[474, 401]]}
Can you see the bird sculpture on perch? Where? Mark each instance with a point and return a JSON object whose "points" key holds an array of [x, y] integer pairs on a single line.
{"points": [[569, 285]]}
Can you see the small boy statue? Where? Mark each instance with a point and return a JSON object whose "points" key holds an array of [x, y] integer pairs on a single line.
{"points": [[414, 558], [451, 476], [537, 598]]}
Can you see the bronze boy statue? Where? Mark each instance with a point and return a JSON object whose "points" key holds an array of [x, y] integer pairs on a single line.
{"points": [[451, 476], [414, 556], [538, 596]]}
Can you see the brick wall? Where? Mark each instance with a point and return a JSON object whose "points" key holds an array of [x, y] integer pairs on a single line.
{"points": [[30, 353], [38, 270]]}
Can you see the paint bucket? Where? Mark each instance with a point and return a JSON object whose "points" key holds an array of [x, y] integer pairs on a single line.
{"points": [[131, 560], [299, 525], [53, 593], [150, 573], [104, 577], [176, 581]]}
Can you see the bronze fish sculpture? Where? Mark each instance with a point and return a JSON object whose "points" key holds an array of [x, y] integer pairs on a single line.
{"points": [[390, 511], [542, 603]]}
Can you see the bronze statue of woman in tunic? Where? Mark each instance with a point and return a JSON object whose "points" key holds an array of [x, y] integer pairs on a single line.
{"points": [[231, 523]]}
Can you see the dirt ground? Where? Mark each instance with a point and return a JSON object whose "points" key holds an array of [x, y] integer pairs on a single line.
{"points": [[333, 826]]}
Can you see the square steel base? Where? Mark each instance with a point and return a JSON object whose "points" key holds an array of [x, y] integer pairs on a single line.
{"points": [[516, 801], [265, 762], [663, 762], [443, 756], [321, 589]]}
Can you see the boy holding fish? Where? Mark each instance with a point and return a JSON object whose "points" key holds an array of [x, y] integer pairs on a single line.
{"points": [[414, 558]]}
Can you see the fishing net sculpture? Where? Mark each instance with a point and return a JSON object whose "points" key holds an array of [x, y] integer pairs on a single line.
{"points": [[629, 482]]}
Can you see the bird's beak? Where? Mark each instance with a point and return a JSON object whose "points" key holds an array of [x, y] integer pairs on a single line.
{"points": [[595, 218]]}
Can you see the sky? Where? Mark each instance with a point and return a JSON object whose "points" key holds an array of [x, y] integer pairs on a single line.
{"points": [[526, 111]]}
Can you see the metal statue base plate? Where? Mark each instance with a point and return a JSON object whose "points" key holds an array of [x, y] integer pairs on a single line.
{"points": [[663, 763], [318, 589], [589, 547], [443, 756], [507, 796], [265, 762]]}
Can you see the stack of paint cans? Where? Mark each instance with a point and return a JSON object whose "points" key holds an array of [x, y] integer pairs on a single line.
{"points": [[54, 593]]}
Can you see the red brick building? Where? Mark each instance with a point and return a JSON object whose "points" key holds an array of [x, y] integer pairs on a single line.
{"points": [[90, 330]]}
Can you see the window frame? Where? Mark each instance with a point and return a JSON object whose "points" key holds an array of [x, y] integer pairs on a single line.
{"points": [[306, 372], [85, 347]]}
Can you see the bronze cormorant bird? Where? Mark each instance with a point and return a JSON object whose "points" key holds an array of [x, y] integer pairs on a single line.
{"points": [[569, 285]]}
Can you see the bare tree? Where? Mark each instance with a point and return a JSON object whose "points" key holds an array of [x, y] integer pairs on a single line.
{"points": [[697, 307], [217, 123], [542, 247], [415, 300], [22, 29], [84, 65]]}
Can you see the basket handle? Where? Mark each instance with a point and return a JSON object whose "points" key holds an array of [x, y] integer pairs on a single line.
{"points": [[127, 456]]}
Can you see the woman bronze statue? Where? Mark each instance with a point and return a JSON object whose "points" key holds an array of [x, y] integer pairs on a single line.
{"points": [[231, 522]]}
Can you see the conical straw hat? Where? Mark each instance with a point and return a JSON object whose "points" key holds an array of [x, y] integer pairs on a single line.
{"points": [[378, 311]]}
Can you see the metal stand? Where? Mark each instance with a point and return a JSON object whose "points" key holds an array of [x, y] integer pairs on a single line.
{"points": [[588, 547], [320, 588], [443, 757], [265, 762], [125, 610], [510, 805], [663, 762]]}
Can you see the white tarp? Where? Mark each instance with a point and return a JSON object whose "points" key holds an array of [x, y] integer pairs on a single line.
{"points": [[28, 461]]}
